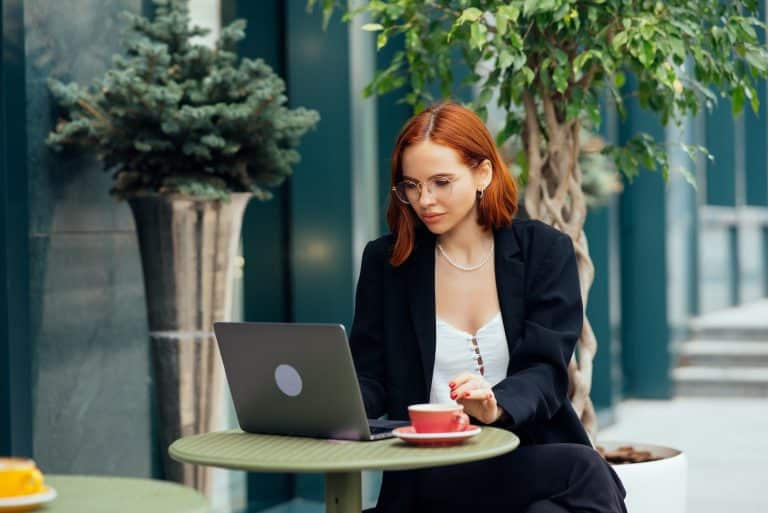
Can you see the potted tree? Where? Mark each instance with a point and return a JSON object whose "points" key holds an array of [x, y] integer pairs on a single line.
{"points": [[190, 134], [547, 63]]}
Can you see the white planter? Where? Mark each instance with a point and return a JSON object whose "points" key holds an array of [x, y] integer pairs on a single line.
{"points": [[659, 486]]}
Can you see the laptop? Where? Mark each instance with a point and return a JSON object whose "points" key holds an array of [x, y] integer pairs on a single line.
{"points": [[296, 379]]}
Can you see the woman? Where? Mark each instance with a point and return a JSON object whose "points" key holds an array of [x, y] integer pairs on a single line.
{"points": [[461, 303]]}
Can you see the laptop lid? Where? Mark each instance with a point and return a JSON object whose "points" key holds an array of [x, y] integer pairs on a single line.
{"points": [[293, 379]]}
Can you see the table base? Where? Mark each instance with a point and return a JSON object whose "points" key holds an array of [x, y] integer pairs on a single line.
{"points": [[343, 492]]}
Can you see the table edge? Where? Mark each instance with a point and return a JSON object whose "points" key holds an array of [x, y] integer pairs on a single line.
{"points": [[491, 452]]}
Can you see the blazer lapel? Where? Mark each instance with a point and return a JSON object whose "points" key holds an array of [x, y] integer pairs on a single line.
{"points": [[421, 291], [510, 282]]}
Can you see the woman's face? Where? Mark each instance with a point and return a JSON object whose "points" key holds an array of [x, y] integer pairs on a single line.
{"points": [[453, 184]]}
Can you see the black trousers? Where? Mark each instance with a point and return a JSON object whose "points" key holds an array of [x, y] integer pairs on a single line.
{"points": [[551, 478]]}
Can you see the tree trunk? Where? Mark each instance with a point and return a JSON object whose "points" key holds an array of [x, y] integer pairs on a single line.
{"points": [[554, 195]]}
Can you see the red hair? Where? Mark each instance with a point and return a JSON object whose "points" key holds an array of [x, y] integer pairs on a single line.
{"points": [[461, 129]]}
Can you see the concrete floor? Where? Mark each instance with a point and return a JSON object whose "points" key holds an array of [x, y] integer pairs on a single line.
{"points": [[726, 441]]}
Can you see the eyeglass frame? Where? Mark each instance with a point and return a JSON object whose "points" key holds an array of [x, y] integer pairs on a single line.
{"points": [[420, 186]]}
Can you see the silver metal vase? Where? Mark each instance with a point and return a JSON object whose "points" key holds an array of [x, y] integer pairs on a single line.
{"points": [[188, 248]]}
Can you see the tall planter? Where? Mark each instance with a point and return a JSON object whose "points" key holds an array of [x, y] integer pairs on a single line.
{"points": [[188, 247]]}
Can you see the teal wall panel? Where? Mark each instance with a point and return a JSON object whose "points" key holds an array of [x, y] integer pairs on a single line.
{"points": [[602, 303], [392, 116], [265, 233], [597, 230], [321, 253], [735, 284], [266, 272], [756, 135], [645, 331], [321, 257], [265, 230], [16, 412], [645, 356]]}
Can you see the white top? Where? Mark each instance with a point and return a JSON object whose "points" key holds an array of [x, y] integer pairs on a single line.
{"points": [[455, 353]]}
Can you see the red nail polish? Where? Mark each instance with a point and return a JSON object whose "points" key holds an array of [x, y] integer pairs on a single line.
{"points": [[452, 384], [453, 395], [466, 394]]}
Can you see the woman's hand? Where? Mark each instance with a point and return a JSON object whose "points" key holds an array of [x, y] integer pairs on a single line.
{"points": [[474, 393]]}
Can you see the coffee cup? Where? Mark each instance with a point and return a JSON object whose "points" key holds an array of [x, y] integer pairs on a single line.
{"points": [[19, 476], [438, 418]]}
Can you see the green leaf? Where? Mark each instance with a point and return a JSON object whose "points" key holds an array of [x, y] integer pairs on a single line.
{"points": [[620, 79], [471, 15], [572, 111], [688, 175], [528, 74], [504, 15], [677, 46], [647, 54], [381, 41], [582, 58], [515, 40], [478, 36], [560, 56], [593, 113], [505, 59], [560, 77], [372, 27], [482, 112], [512, 127], [484, 97], [327, 12], [531, 7], [501, 24], [737, 97], [142, 146], [511, 11], [620, 40], [757, 58]]}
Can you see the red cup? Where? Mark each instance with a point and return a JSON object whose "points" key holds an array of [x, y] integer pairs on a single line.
{"points": [[438, 418]]}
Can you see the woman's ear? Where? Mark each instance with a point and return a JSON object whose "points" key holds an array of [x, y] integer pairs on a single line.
{"points": [[483, 174]]}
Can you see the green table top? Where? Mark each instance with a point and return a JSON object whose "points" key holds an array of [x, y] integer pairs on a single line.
{"points": [[272, 453], [97, 494]]}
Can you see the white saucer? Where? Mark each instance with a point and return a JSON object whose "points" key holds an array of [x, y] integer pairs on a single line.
{"points": [[35, 499]]}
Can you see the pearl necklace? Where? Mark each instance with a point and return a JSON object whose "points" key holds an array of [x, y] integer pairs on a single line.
{"points": [[465, 267]]}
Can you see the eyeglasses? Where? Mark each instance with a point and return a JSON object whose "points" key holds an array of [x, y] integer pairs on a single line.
{"points": [[409, 191]]}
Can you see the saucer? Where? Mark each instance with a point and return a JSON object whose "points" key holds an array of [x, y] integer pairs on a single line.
{"points": [[27, 502], [409, 434]]}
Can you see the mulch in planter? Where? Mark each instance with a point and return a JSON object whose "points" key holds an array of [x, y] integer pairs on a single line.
{"points": [[626, 454]]}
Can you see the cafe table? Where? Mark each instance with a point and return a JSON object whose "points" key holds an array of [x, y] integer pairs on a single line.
{"points": [[103, 494], [341, 461]]}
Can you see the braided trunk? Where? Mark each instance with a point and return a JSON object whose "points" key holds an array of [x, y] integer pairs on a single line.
{"points": [[554, 196]]}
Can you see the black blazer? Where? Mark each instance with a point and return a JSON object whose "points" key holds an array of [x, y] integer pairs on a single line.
{"points": [[393, 336]]}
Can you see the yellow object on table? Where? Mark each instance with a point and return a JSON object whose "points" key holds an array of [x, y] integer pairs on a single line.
{"points": [[22, 487], [19, 476]]}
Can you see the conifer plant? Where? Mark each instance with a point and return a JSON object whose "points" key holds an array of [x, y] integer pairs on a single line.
{"points": [[173, 116]]}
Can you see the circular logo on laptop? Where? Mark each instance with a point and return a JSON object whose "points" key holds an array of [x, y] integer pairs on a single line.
{"points": [[288, 380]]}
